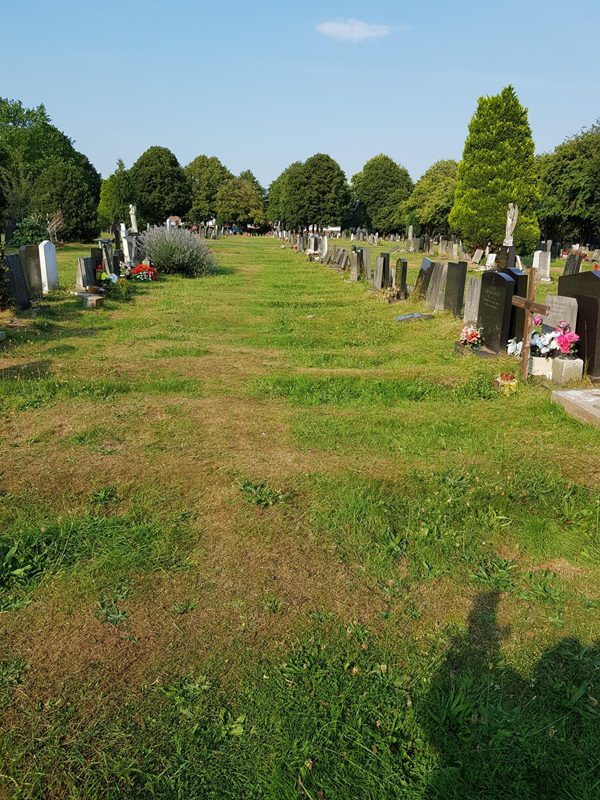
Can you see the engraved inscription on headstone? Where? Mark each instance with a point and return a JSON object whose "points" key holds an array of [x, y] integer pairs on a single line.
{"points": [[18, 285]]}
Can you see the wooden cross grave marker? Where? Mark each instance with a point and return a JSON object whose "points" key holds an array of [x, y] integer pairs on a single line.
{"points": [[530, 307]]}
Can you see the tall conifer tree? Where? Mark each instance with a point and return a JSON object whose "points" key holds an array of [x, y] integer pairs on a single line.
{"points": [[498, 168]]}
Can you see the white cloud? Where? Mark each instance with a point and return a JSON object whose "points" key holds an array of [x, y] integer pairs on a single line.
{"points": [[353, 30]]}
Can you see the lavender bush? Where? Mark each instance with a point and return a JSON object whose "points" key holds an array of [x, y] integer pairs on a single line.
{"points": [[173, 250]]}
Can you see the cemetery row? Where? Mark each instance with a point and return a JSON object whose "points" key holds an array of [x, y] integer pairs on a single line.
{"points": [[33, 271], [499, 305]]}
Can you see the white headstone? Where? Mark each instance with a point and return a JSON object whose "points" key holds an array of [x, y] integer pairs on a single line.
{"points": [[490, 261], [325, 245], [48, 266], [477, 256], [125, 243]]}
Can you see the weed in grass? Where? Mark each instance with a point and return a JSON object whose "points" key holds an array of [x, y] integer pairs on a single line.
{"points": [[261, 495], [273, 605], [183, 608]]}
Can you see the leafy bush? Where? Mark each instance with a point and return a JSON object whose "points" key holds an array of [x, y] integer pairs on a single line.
{"points": [[30, 231], [177, 250]]}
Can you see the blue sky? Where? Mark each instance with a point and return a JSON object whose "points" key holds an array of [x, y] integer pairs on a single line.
{"points": [[263, 84]]}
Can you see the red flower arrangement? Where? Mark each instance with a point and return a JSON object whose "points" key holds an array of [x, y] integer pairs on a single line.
{"points": [[144, 273]]}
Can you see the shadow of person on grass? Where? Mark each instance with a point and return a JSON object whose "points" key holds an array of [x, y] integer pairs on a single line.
{"points": [[501, 736]]}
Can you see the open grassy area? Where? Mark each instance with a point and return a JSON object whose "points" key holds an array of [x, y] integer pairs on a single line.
{"points": [[259, 540]]}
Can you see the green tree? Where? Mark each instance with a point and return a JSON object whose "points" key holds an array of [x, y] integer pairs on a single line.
{"points": [[205, 176], [432, 198], [379, 189], [498, 167], [61, 187], [116, 195], [248, 175], [239, 202], [570, 188], [161, 186], [293, 196], [33, 144], [327, 195]]}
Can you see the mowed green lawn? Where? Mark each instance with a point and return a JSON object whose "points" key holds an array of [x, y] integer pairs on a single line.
{"points": [[259, 540]]}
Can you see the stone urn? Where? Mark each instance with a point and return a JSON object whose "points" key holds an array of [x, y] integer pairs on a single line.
{"points": [[566, 370], [540, 366]]}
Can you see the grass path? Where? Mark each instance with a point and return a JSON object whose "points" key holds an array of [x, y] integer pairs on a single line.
{"points": [[260, 540]]}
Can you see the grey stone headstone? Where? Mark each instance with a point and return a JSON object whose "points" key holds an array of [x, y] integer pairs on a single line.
{"points": [[562, 309], [86, 274], [434, 298], [472, 301], [30, 259], [549, 246], [18, 285], [478, 255], [543, 266], [107, 261], [386, 270], [354, 266], [495, 306], [455, 288], [367, 262], [378, 279], [395, 249]]}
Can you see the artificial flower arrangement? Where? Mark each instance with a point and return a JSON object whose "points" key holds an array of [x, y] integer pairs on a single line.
{"points": [[560, 342], [472, 337], [144, 273]]}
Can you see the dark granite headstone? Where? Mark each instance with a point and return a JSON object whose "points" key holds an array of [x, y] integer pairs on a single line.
{"points": [[585, 288], [18, 285], [455, 288], [96, 256], [401, 267], [423, 278], [517, 316], [554, 251], [86, 275], [386, 270], [30, 260], [506, 258], [495, 306], [573, 264], [9, 231]]}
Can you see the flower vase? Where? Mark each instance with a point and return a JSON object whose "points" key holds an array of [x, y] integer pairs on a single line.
{"points": [[540, 366], [565, 370]]}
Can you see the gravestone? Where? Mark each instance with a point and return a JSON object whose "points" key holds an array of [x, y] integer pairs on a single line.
{"points": [[401, 269], [86, 275], [18, 285], [444, 247], [506, 257], [573, 264], [562, 309], [423, 278], [554, 251], [495, 306], [455, 288], [548, 246], [354, 266], [585, 288], [543, 265], [9, 232], [395, 249], [434, 298], [472, 301], [115, 229], [96, 258], [378, 278], [386, 270], [367, 262], [48, 266], [30, 259], [454, 253], [490, 261], [478, 255], [107, 259], [517, 317]]}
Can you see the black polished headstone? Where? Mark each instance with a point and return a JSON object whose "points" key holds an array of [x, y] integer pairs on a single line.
{"points": [[18, 285], [517, 316], [455, 288], [401, 270], [423, 278], [585, 288], [495, 306], [30, 260], [573, 264]]}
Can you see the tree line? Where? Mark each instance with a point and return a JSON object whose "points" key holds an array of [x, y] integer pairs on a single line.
{"points": [[558, 193]]}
